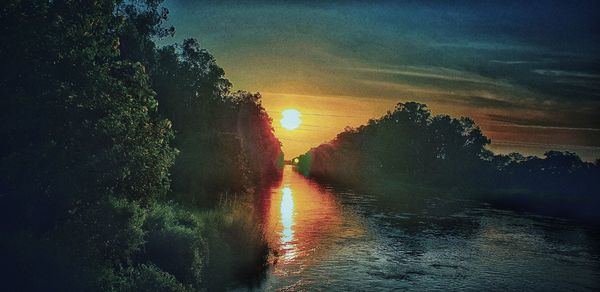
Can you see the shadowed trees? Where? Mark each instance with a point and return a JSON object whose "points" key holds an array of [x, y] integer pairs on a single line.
{"points": [[229, 132], [410, 147], [85, 151], [407, 144], [224, 140], [92, 116], [556, 172], [226, 147]]}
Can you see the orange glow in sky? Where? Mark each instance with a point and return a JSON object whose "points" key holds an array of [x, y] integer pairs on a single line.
{"points": [[339, 65], [322, 117]]}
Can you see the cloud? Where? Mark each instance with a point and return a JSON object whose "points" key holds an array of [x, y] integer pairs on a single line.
{"points": [[561, 73], [548, 127], [583, 83], [515, 62], [480, 101], [428, 72], [566, 120], [488, 46], [403, 88]]}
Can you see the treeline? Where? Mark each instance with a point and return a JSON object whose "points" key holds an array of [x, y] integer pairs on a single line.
{"points": [[225, 140], [409, 149], [116, 153]]}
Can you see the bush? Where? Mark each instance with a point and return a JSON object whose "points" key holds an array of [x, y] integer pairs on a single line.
{"points": [[151, 278], [174, 244]]}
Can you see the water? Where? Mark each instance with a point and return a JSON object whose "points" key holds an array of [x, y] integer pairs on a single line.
{"points": [[330, 240]]}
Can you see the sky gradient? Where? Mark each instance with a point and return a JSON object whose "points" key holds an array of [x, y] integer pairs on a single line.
{"points": [[527, 73]]}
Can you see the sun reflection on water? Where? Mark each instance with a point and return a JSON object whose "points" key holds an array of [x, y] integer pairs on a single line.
{"points": [[287, 221], [300, 219]]}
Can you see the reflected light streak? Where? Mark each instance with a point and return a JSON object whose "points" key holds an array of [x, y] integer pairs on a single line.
{"points": [[287, 218], [300, 218]]}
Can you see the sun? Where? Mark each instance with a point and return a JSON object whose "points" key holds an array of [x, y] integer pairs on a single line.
{"points": [[290, 119]]}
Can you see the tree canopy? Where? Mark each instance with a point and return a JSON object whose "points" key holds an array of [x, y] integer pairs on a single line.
{"points": [[97, 122], [412, 147]]}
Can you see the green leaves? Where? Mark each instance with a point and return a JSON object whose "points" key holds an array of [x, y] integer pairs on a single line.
{"points": [[88, 152], [90, 108]]}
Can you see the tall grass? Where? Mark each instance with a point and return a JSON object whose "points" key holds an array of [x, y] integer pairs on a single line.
{"points": [[237, 247]]}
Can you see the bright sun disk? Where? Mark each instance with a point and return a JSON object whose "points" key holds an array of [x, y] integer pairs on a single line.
{"points": [[290, 119]]}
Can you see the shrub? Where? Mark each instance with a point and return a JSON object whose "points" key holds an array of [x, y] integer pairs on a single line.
{"points": [[174, 244]]}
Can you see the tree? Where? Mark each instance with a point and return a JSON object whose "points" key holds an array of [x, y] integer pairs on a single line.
{"points": [[87, 151]]}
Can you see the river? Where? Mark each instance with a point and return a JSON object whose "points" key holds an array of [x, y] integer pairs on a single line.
{"points": [[339, 240]]}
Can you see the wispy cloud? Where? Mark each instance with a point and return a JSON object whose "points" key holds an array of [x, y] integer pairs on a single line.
{"points": [[544, 127], [565, 120], [561, 73], [465, 97], [491, 102], [592, 84], [515, 62], [403, 88], [428, 72], [491, 46]]}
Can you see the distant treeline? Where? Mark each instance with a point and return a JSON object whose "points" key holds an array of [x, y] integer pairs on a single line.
{"points": [[410, 148], [116, 153]]}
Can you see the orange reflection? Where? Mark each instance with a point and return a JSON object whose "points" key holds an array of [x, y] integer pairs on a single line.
{"points": [[299, 217], [287, 221]]}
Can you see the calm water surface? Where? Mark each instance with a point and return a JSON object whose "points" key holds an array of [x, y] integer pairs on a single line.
{"points": [[331, 240]]}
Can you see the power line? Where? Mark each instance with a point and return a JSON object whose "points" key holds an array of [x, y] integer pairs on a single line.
{"points": [[288, 139], [316, 126], [324, 115]]}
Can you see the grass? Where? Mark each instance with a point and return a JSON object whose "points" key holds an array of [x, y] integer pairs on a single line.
{"points": [[237, 248]]}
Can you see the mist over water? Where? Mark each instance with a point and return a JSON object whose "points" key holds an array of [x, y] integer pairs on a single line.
{"points": [[327, 239]]}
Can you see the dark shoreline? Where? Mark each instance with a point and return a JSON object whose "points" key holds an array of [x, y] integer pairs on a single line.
{"points": [[559, 205]]}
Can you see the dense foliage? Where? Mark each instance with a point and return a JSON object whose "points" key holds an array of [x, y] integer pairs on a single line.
{"points": [[213, 125], [411, 147], [408, 143], [96, 122]]}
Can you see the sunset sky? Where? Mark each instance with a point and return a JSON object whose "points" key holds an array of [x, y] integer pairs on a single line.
{"points": [[527, 72]]}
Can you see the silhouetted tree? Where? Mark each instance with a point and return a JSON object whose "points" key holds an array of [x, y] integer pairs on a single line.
{"points": [[225, 139], [412, 147], [407, 143]]}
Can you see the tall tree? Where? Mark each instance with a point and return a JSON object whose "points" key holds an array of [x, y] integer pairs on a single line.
{"points": [[85, 149]]}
